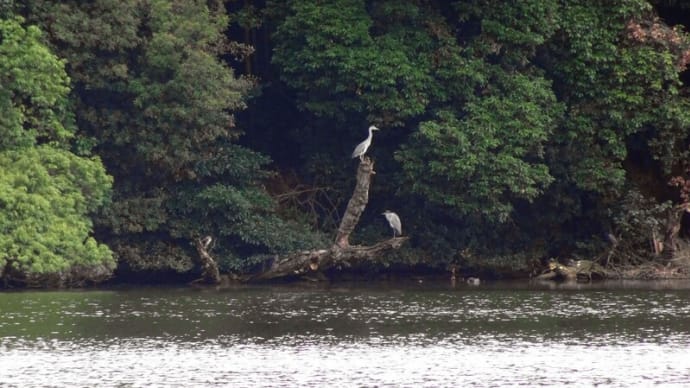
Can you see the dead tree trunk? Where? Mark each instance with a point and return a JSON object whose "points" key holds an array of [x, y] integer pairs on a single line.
{"points": [[672, 229], [210, 273], [357, 203], [341, 253]]}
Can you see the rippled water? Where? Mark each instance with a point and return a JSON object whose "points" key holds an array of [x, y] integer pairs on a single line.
{"points": [[382, 335]]}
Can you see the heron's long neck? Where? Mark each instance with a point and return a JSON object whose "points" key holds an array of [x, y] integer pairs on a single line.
{"points": [[371, 134]]}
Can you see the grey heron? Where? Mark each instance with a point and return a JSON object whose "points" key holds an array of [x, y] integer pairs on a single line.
{"points": [[394, 222], [362, 147]]}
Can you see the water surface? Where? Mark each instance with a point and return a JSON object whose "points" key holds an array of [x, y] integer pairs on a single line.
{"points": [[349, 335]]}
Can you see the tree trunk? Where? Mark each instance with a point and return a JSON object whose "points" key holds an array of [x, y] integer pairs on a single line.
{"points": [[672, 229], [210, 273], [357, 203]]}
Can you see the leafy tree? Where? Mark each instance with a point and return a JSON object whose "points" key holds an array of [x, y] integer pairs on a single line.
{"points": [[351, 64], [616, 82], [625, 118], [342, 60], [46, 192], [34, 90], [152, 92], [481, 159]]}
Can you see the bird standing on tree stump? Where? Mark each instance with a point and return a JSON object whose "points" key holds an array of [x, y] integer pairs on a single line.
{"points": [[362, 147]]}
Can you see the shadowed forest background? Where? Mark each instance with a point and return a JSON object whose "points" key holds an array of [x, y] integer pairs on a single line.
{"points": [[512, 132]]}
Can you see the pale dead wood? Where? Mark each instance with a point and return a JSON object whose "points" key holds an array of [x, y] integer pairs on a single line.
{"points": [[357, 203], [210, 274]]}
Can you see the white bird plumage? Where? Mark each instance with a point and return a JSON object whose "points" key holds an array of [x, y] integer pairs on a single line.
{"points": [[394, 222], [362, 147]]}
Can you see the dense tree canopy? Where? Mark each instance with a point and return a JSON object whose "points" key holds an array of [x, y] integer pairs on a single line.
{"points": [[512, 130], [514, 122], [159, 104], [34, 88], [46, 191]]}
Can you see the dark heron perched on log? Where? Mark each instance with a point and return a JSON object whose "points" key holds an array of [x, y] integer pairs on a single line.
{"points": [[394, 222], [362, 147]]}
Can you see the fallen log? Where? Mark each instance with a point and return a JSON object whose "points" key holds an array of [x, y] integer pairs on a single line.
{"points": [[316, 261]]}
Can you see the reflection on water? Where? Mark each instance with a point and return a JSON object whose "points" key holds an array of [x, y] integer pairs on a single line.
{"points": [[517, 334]]}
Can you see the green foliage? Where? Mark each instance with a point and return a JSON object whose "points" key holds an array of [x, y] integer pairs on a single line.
{"points": [[161, 105], [507, 126], [344, 61], [45, 197], [46, 192], [514, 122], [321, 49], [616, 82], [237, 210], [511, 31], [480, 142], [491, 156], [33, 89]]}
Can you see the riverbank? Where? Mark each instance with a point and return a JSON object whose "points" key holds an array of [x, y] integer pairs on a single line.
{"points": [[582, 271]]}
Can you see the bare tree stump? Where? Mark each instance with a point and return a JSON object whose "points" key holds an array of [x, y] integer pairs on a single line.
{"points": [[210, 273]]}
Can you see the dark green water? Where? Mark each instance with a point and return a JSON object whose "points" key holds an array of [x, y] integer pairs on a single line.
{"points": [[394, 335]]}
